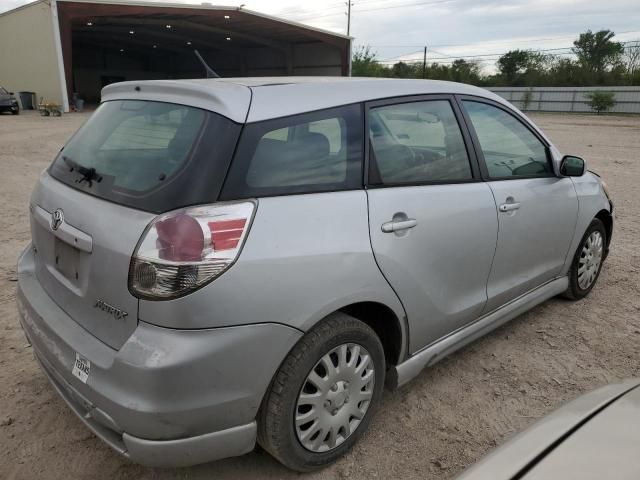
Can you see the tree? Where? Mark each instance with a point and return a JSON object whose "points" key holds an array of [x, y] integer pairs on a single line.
{"points": [[464, 71], [601, 101], [512, 63], [365, 64], [597, 52], [516, 66], [632, 59], [565, 72], [403, 70]]}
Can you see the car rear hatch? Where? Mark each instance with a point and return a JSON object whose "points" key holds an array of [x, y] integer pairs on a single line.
{"points": [[131, 161], [83, 264]]}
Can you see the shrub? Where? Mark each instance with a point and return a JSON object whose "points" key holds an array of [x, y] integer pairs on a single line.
{"points": [[601, 101]]}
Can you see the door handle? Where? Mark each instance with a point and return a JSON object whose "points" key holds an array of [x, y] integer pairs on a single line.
{"points": [[508, 207], [399, 226]]}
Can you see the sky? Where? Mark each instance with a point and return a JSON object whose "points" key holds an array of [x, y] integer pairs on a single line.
{"points": [[473, 29]]}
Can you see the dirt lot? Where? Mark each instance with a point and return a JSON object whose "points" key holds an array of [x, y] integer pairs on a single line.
{"points": [[443, 421]]}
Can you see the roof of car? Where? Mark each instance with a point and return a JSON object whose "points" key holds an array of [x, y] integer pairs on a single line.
{"points": [[273, 97]]}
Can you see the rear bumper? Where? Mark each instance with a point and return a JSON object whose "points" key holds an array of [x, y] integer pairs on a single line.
{"points": [[166, 397], [156, 453]]}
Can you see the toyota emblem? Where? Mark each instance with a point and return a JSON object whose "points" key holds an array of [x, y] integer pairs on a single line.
{"points": [[57, 218]]}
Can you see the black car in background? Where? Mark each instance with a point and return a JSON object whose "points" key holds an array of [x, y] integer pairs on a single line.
{"points": [[8, 102]]}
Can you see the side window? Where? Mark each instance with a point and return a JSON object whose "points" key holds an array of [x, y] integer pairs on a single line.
{"points": [[313, 152], [510, 149], [332, 128], [418, 142]]}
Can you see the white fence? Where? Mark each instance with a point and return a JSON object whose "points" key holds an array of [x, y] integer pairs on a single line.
{"points": [[568, 99]]}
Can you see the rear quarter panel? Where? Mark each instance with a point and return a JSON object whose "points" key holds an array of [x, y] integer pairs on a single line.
{"points": [[305, 257]]}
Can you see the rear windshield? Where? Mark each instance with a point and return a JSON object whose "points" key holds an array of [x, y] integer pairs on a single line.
{"points": [[149, 155]]}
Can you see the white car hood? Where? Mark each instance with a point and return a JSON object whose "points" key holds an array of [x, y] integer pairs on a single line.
{"points": [[578, 446]]}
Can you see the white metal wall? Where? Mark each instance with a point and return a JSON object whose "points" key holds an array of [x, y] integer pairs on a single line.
{"points": [[568, 99], [28, 57]]}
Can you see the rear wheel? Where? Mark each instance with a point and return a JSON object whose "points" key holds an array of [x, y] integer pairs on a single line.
{"points": [[324, 394], [587, 262]]}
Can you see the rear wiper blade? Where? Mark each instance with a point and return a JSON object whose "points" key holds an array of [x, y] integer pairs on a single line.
{"points": [[88, 174]]}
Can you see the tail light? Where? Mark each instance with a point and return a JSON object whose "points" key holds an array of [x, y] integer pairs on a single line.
{"points": [[184, 250]]}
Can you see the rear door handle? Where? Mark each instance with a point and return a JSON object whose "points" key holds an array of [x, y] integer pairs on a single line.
{"points": [[508, 207], [399, 226]]}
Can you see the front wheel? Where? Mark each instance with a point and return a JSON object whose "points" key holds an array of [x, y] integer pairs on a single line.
{"points": [[324, 394], [587, 262]]}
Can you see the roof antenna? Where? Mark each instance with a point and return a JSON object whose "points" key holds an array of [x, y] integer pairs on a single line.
{"points": [[207, 68]]}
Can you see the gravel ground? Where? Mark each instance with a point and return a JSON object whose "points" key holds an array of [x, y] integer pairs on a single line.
{"points": [[446, 419]]}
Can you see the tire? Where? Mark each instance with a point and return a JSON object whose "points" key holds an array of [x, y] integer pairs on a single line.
{"points": [[579, 287], [293, 444], [15, 112]]}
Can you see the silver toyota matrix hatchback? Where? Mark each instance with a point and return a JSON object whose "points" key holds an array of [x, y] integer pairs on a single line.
{"points": [[216, 263]]}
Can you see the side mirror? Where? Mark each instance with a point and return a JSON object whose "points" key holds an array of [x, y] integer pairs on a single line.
{"points": [[11, 93], [571, 166]]}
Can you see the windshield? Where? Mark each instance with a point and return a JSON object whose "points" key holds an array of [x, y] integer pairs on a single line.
{"points": [[3, 91], [134, 152]]}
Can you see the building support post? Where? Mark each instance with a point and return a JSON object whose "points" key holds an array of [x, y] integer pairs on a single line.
{"points": [[58, 46]]}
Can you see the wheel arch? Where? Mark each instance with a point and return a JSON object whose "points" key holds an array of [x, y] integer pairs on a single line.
{"points": [[385, 323], [389, 324], [606, 218]]}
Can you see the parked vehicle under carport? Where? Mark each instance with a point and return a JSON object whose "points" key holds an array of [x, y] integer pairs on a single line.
{"points": [[8, 102]]}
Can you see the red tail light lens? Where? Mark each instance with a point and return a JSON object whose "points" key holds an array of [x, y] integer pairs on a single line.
{"points": [[184, 250], [225, 234], [180, 239]]}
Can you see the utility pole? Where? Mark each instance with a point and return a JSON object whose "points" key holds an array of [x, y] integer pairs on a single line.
{"points": [[424, 63], [348, 17]]}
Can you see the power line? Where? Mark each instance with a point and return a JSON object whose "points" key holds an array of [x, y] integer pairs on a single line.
{"points": [[535, 39], [487, 56], [429, 3]]}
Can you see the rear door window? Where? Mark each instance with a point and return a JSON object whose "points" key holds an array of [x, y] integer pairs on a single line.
{"points": [[417, 142], [149, 155], [313, 152]]}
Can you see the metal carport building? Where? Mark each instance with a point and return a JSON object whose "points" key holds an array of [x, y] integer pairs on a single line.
{"points": [[58, 47]]}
